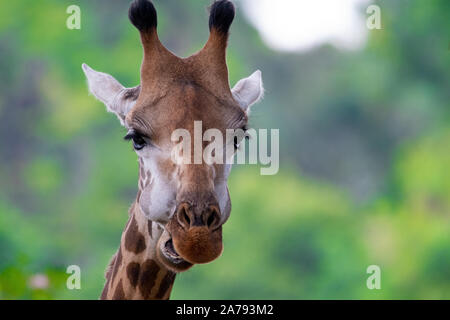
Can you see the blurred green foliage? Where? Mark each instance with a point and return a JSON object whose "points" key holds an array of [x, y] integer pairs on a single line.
{"points": [[364, 167]]}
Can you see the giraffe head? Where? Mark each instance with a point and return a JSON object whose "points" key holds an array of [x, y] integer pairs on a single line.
{"points": [[190, 201]]}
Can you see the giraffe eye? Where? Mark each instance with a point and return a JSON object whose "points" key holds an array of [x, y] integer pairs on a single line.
{"points": [[138, 143], [138, 140]]}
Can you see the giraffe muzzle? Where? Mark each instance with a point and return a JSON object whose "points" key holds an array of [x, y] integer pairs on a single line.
{"points": [[195, 234]]}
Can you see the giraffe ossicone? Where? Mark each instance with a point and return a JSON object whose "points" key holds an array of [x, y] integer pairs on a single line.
{"points": [[176, 220]]}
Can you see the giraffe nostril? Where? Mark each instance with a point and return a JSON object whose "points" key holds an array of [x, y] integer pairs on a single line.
{"points": [[213, 220], [186, 217], [183, 217], [210, 219]]}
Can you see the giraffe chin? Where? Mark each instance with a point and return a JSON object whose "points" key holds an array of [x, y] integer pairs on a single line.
{"points": [[180, 249], [197, 244]]}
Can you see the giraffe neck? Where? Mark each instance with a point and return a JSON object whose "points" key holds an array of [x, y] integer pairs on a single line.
{"points": [[134, 272]]}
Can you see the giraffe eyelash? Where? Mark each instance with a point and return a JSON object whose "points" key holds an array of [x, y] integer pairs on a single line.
{"points": [[129, 136], [140, 141], [133, 134]]}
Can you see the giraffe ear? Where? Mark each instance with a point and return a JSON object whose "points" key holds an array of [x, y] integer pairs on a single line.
{"points": [[117, 99], [249, 91]]}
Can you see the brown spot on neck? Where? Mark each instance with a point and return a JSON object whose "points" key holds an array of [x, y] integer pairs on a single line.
{"points": [[134, 240], [165, 285], [147, 278], [133, 270]]}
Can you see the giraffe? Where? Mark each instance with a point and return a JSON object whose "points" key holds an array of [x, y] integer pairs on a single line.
{"points": [[177, 217]]}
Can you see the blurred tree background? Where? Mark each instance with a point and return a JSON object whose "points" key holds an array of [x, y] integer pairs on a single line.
{"points": [[365, 157]]}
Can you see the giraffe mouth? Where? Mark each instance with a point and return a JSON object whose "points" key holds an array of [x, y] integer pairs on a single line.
{"points": [[169, 256], [170, 252]]}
